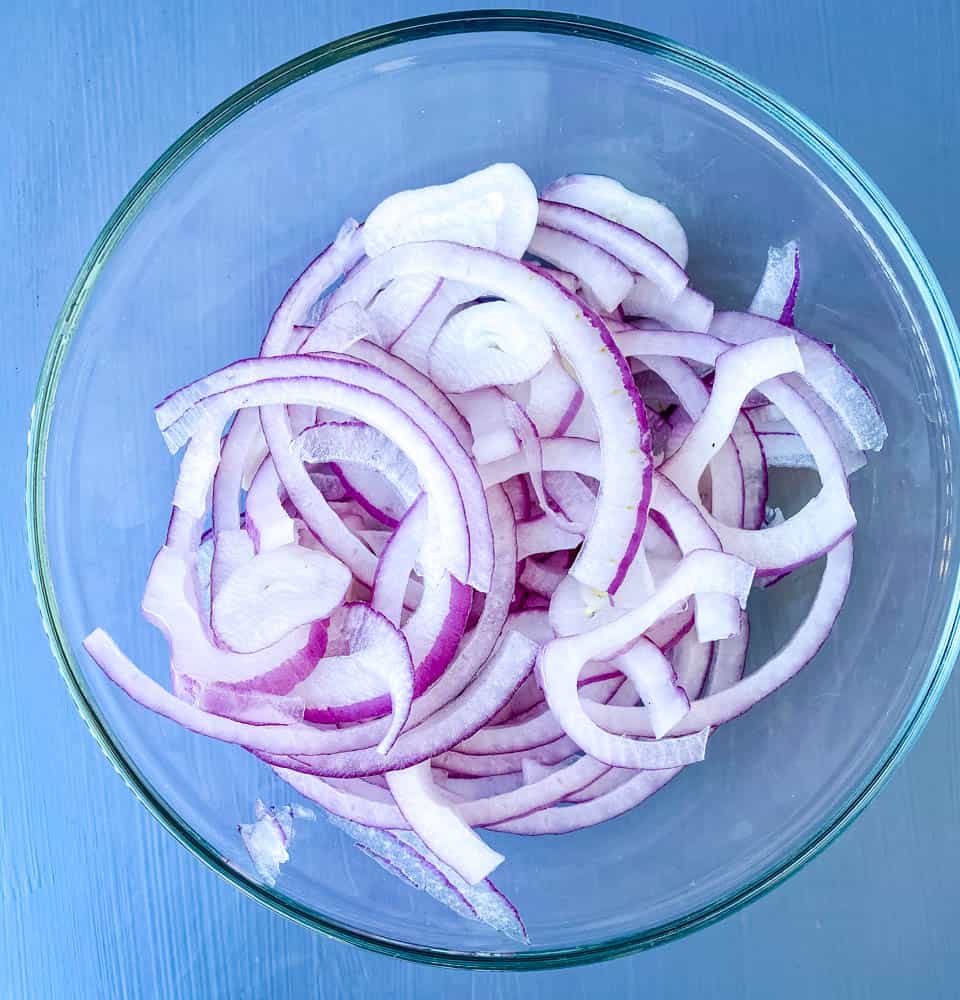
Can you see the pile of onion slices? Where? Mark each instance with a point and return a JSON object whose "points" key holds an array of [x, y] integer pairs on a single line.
{"points": [[468, 544]]}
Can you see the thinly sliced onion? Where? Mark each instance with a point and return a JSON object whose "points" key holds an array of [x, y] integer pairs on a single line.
{"points": [[290, 586], [609, 198], [351, 615], [362, 643], [607, 279], [637, 252], [492, 343], [494, 208], [776, 295], [406, 855], [439, 826]]}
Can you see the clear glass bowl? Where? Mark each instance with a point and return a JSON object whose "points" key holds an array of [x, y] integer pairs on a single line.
{"points": [[184, 278]]}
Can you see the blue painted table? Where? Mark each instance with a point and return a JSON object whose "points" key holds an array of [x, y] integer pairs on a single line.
{"points": [[96, 900]]}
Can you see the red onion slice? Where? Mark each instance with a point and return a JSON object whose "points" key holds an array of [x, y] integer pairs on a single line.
{"points": [[495, 208], [290, 587], [776, 295], [605, 278], [609, 198], [489, 343], [405, 854], [636, 251], [439, 826], [362, 645]]}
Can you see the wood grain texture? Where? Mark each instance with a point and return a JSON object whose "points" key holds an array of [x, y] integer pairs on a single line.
{"points": [[96, 900]]}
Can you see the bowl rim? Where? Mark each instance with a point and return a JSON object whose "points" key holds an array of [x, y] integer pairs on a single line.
{"points": [[313, 61]]}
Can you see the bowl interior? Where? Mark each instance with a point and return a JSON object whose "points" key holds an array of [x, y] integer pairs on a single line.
{"points": [[191, 286]]}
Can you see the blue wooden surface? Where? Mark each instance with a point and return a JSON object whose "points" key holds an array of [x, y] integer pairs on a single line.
{"points": [[96, 900]]}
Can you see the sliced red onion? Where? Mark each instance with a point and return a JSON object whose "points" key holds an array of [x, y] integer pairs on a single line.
{"points": [[541, 579], [350, 387], [458, 719], [726, 479], [738, 371], [363, 646], [353, 477], [729, 661], [439, 825], [493, 438], [824, 520], [259, 708], [637, 252], [722, 706], [360, 445], [413, 345], [699, 572], [564, 454], [436, 627], [603, 276], [290, 586], [343, 799], [232, 548], [563, 278], [556, 820], [492, 343], [494, 208], [405, 853], [783, 448], [413, 379], [823, 371], [394, 311], [471, 788], [543, 535], [339, 330], [266, 521], [688, 311], [338, 258], [776, 295], [691, 663], [364, 486], [553, 401], [530, 446], [475, 650], [609, 198], [537, 729], [753, 469], [656, 682], [397, 561], [170, 603]]}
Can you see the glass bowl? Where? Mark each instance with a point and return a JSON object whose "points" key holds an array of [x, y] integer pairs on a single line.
{"points": [[183, 279]]}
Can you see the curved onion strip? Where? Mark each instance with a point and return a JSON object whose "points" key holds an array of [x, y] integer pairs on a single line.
{"points": [[827, 383], [397, 561], [609, 198], [605, 277], [614, 803], [265, 519], [636, 251], [291, 586], [554, 399], [776, 295], [362, 642], [656, 682], [439, 826]]}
